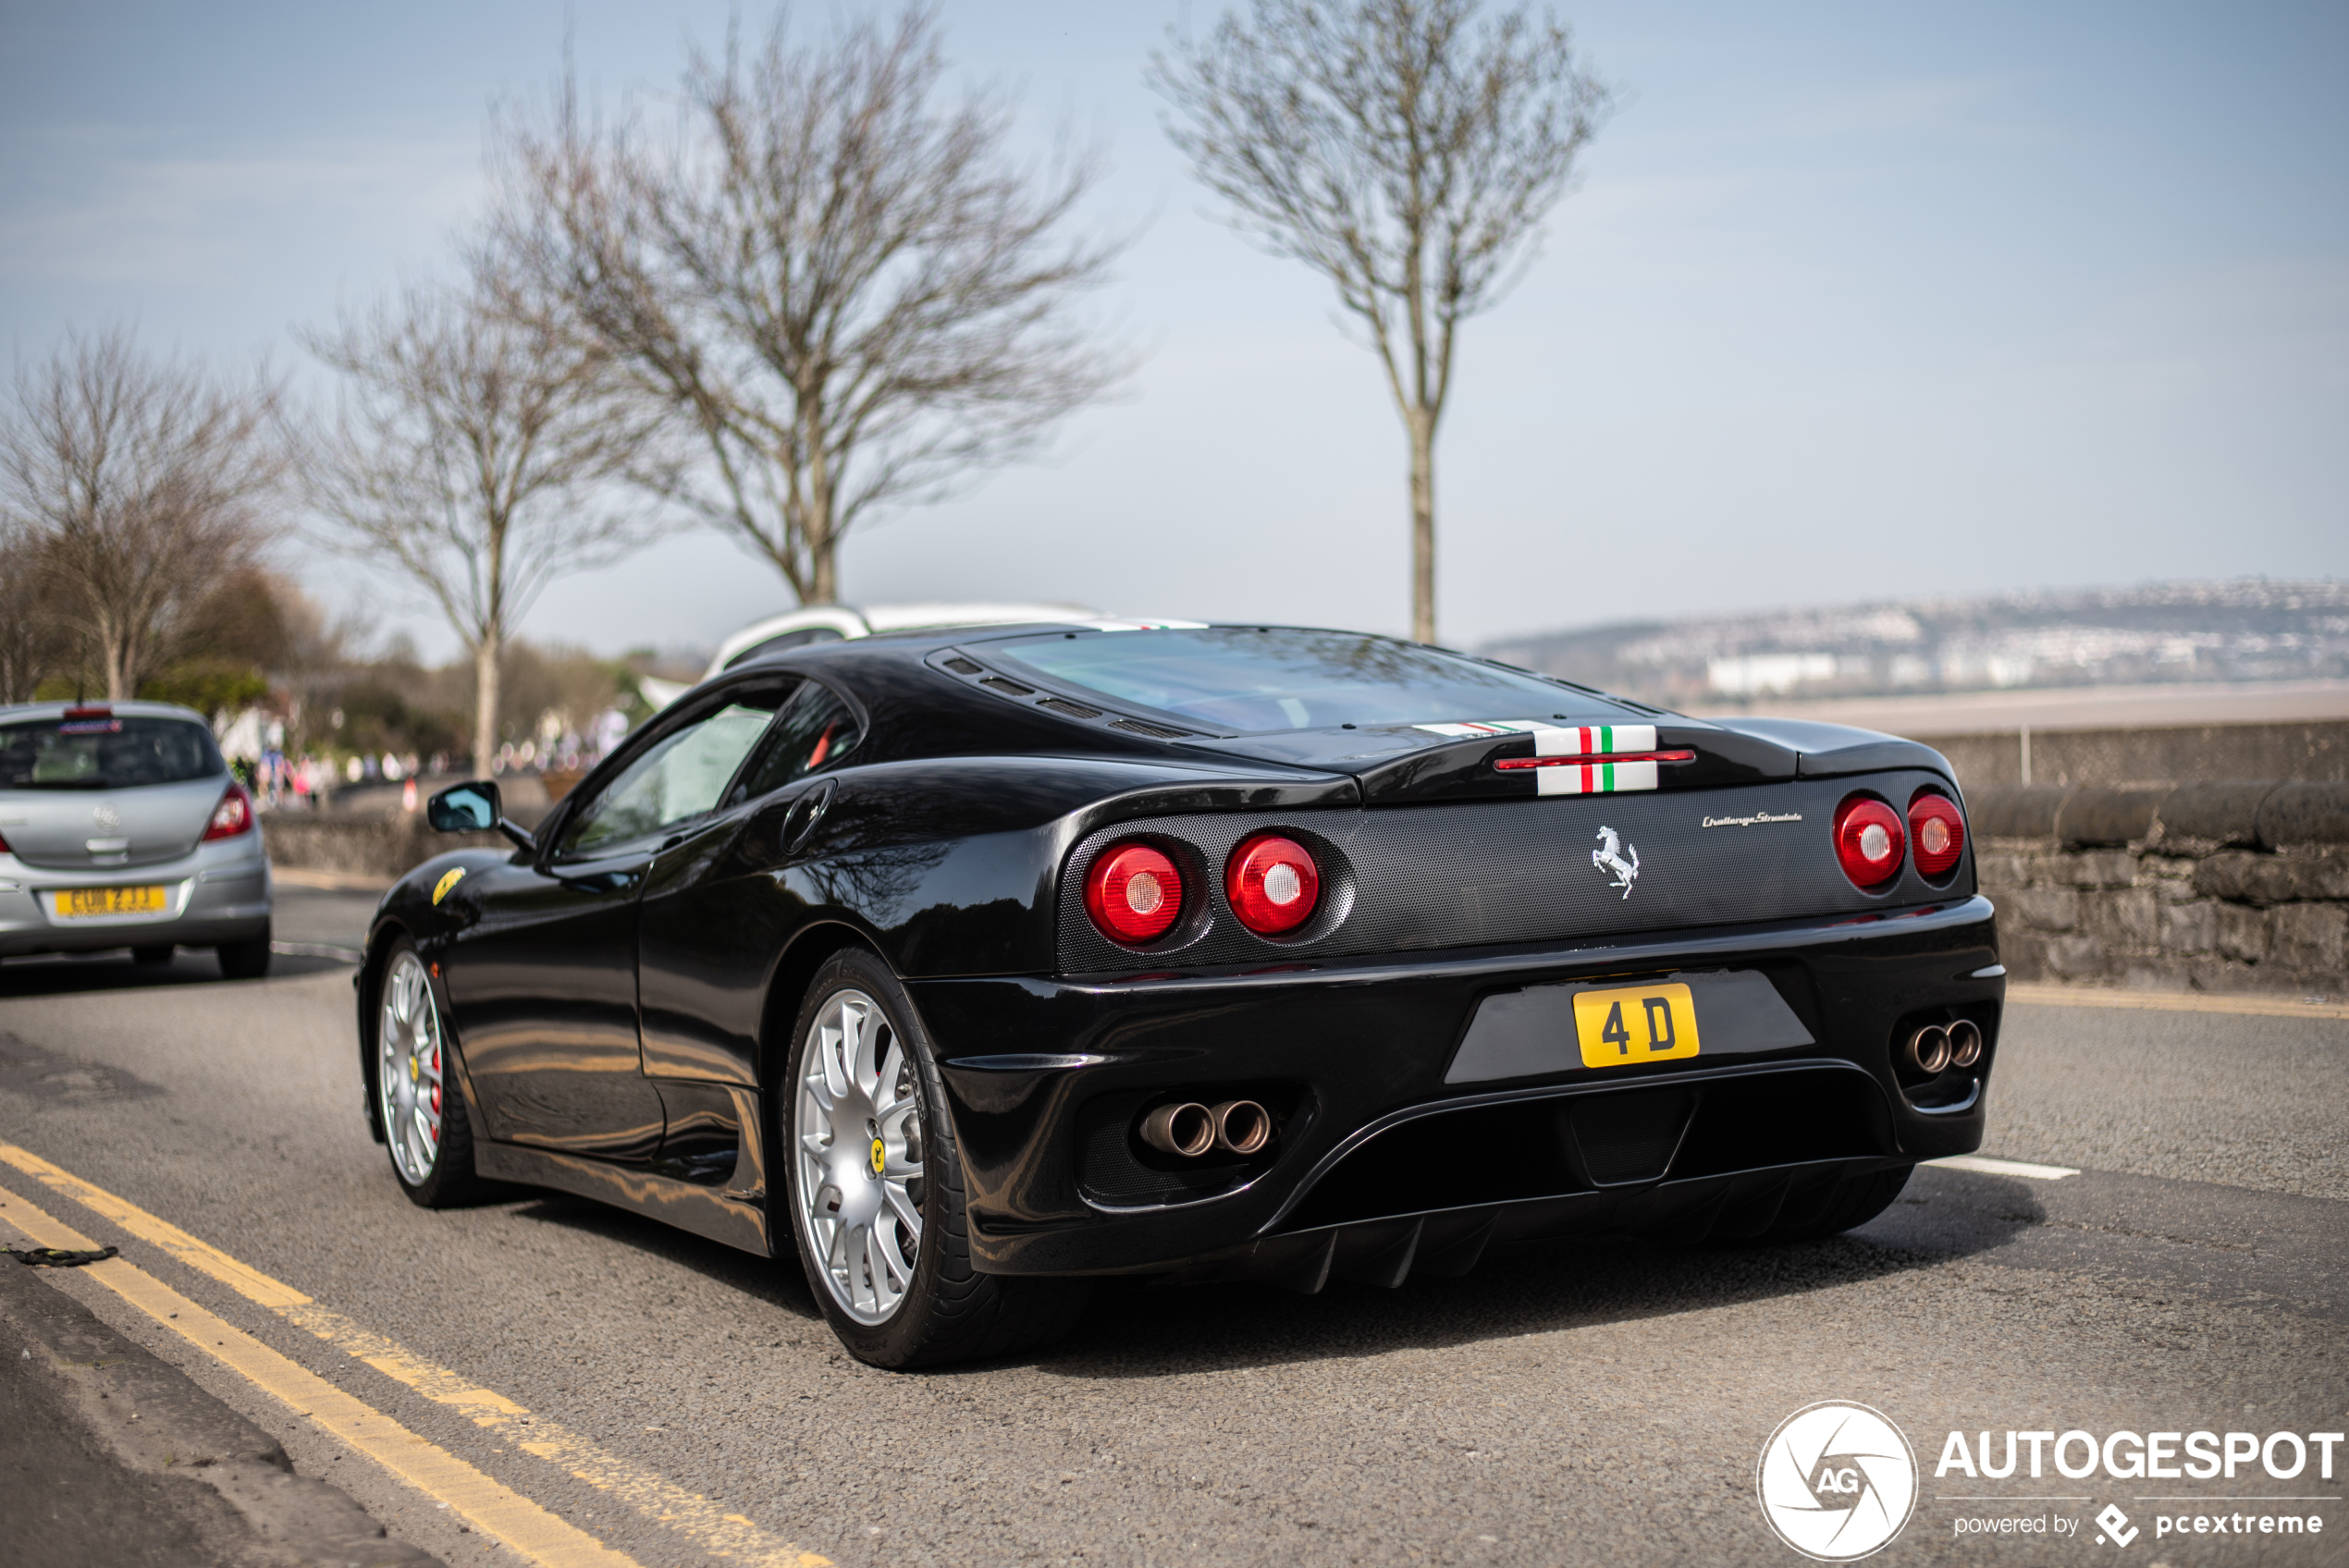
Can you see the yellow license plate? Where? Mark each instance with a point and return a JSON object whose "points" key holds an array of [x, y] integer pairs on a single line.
{"points": [[1630, 1024], [80, 903]]}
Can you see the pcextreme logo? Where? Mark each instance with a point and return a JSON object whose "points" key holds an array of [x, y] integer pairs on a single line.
{"points": [[1836, 1481]]}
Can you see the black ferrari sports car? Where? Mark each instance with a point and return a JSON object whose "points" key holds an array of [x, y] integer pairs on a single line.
{"points": [[971, 964]]}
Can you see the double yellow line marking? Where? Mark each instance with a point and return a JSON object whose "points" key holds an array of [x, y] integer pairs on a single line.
{"points": [[489, 1506]]}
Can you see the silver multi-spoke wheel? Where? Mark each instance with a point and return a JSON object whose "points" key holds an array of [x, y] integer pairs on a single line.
{"points": [[859, 1127], [409, 1067]]}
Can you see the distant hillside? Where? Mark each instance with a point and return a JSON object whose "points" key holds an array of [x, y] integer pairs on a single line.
{"points": [[2249, 630]]}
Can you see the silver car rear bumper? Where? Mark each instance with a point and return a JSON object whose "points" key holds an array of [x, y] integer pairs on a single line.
{"points": [[217, 893]]}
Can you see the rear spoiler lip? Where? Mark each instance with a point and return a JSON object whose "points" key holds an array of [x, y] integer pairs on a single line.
{"points": [[1837, 750]]}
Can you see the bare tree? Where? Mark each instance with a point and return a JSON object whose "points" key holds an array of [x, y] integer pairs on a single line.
{"points": [[1406, 152], [853, 295], [28, 634], [139, 487], [479, 455]]}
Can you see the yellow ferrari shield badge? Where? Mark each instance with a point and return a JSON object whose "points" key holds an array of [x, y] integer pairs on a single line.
{"points": [[880, 1156], [440, 889]]}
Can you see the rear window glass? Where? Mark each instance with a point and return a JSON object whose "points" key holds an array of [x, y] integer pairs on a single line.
{"points": [[105, 752], [815, 730], [1256, 680]]}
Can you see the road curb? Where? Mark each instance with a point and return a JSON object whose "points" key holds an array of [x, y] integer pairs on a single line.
{"points": [[67, 1369], [2249, 1004]]}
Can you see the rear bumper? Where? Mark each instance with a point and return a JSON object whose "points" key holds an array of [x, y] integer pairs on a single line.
{"points": [[212, 898], [1378, 1158]]}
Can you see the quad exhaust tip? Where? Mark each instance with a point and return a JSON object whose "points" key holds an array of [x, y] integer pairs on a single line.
{"points": [[1242, 1127], [1189, 1129], [1939, 1045], [1929, 1048]]}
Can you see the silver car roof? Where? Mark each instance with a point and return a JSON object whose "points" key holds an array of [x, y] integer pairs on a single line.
{"points": [[130, 708]]}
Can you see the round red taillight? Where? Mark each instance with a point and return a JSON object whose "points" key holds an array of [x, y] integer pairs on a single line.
{"points": [[1936, 828], [232, 815], [1273, 883], [1869, 841], [1133, 893]]}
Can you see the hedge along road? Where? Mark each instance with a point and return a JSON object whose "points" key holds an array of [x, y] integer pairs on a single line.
{"points": [[660, 1399]]}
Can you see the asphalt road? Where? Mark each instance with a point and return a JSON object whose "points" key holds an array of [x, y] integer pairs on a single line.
{"points": [[1589, 1402]]}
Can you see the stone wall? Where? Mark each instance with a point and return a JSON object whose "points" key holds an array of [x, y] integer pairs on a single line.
{"points": [[2225, 886], [2314, 751], [368, 845]]}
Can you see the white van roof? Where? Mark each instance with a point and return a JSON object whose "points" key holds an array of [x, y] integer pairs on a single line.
{"points": [[843, 622]]}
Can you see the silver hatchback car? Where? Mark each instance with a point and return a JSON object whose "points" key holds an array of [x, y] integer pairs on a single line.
{"points": [[121, 826]]}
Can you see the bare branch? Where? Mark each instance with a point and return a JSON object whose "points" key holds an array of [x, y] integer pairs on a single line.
{"points": [[137, 486], [852, 295], [482, 456], [1402, 150]]}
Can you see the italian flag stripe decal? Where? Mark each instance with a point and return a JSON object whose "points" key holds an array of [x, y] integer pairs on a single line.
{"points": [[1594, 778], [1555, 740], [1599, 740], [1577, 740]]}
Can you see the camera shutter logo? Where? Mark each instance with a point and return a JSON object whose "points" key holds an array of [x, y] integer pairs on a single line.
{"points": [[1836, 1481]]}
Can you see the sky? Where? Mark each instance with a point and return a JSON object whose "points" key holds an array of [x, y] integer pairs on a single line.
{"points": [[1850, 303]]}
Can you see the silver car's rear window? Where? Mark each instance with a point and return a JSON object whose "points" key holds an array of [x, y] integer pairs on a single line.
{"points": [[1289, 677], [105, 751]]}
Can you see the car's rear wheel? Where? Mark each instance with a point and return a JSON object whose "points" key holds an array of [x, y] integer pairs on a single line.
{"points": [[245, 960], [875, 1187], [416, 1095]]}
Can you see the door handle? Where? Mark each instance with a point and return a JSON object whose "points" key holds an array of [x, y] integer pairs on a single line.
{"points": [[806, 813]]}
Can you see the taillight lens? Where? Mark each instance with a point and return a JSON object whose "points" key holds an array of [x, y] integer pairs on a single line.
{"points": [[231, 816], [1133, 893], [1869, 841], [1273, 883], [1938, 830]]}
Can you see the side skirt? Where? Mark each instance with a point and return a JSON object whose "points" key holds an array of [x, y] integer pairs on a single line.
{"points": [[732, 1218]]}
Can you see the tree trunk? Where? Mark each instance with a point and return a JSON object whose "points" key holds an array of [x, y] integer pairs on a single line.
{"points": [[113, 643], [823, 544], [1423, 424], [823, 568], [486, 702]]}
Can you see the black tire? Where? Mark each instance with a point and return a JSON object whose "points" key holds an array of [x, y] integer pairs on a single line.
{"points": [[949, 1311], [448, 1179], [1843, 1206], [154, 957], [245, 960]]}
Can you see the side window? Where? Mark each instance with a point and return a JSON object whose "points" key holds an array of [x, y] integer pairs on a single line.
{"points": [[815, 730], [680, 777]]}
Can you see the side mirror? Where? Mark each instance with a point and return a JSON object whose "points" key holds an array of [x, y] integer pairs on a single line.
{"points": [[474, 808], [464, 808]]}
